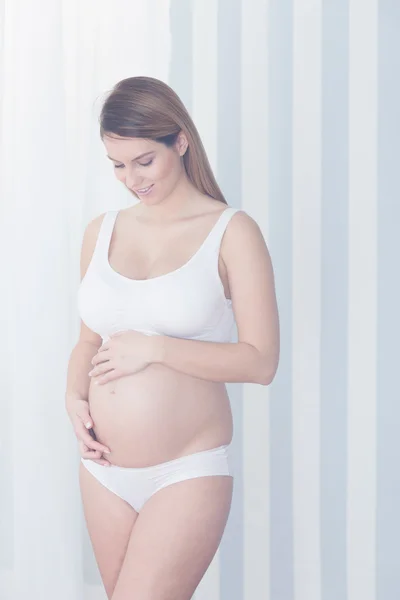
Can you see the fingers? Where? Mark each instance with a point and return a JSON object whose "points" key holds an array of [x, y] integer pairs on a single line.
{"points": [[103, 348], [100, 368], [94, 455], [101, 356], [103, 378], [82, 412], [82, 424], [83, 435], [89, 448]]}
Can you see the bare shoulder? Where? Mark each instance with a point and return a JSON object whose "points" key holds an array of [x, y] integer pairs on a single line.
{"points": [[90, 235], [93, 227], [252, 286], [89, 239], [243, 234], [243, 219]]}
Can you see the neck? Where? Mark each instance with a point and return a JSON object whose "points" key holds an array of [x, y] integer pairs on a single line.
{"points": [[173, 206]]}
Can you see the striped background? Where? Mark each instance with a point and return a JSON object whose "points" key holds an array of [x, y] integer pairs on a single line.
{"points": [[297, 102]]}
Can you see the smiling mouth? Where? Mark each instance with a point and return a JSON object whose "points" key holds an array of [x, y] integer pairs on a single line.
{"points": [[143, 191]]}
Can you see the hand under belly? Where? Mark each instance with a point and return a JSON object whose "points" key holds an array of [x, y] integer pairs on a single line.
{"points": [[154, 415]]}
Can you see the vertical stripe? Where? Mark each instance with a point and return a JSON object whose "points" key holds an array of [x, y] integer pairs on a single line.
{"points": [[205, 74], [297, 103], [306, 310], [7, 134], [254, 152], [158, 23], [229, 178], [361, 440], [180, 74], [388, 448], [94, 592], [43, 514], [205, 114], [334, 299], [280, 226]]}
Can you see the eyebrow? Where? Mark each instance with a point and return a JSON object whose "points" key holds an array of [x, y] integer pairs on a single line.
{"points": [[133, 159]]}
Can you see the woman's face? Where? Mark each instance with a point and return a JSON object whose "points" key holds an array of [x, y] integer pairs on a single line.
{"points": [[148, 168]]}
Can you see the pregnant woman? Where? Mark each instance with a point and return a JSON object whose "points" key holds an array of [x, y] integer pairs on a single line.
{"points": [[163, 283]]}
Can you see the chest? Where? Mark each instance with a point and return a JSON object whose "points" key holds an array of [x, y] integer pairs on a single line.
{"points": [[150, 259], [190, 304]]}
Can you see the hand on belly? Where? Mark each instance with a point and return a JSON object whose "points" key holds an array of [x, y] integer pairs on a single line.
{"points": [[152, 414]]}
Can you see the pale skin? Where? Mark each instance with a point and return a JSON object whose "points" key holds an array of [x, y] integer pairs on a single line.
{"points": [[163, 553]]}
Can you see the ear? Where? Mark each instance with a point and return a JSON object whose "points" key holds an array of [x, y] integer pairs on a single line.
{"points": [[182, 143]]}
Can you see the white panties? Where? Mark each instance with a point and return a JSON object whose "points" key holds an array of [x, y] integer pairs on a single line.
{"points": [[136, 485]]}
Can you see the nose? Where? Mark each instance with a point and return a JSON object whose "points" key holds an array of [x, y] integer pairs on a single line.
{"points": [[132, 180]]}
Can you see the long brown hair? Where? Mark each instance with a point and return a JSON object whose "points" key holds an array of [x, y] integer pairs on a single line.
{"points": [[144, 107]]}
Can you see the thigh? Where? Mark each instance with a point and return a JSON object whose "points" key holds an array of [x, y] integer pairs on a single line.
{"points": [[175, 539], [109, 521]]}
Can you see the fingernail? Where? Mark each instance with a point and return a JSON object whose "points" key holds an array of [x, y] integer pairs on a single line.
{"points": [[88, 425], [107, 451], [106, 464]]}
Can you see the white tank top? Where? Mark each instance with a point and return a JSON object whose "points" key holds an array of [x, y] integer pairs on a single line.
{"points": [[188, 302]]}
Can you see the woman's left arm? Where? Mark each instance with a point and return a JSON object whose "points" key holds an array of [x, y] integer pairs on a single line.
{"points": [[254, 358]]}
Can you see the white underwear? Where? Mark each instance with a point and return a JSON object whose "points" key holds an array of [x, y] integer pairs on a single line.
{"points": [[136, 485]]}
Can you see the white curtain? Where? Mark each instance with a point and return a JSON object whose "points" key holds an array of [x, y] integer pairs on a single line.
{"points": [[58, 58]]}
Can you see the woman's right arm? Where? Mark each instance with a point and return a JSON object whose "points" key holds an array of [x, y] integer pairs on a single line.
{"points": [[79, 365]]}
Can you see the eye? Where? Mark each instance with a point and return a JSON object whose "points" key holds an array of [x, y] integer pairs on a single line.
{"points": [[147, 164]]}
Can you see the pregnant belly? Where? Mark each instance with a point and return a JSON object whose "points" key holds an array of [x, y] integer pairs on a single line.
{"points": [[159, 414]]}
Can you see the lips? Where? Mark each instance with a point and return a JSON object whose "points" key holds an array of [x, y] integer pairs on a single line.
{"points": [[145, 190]]}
